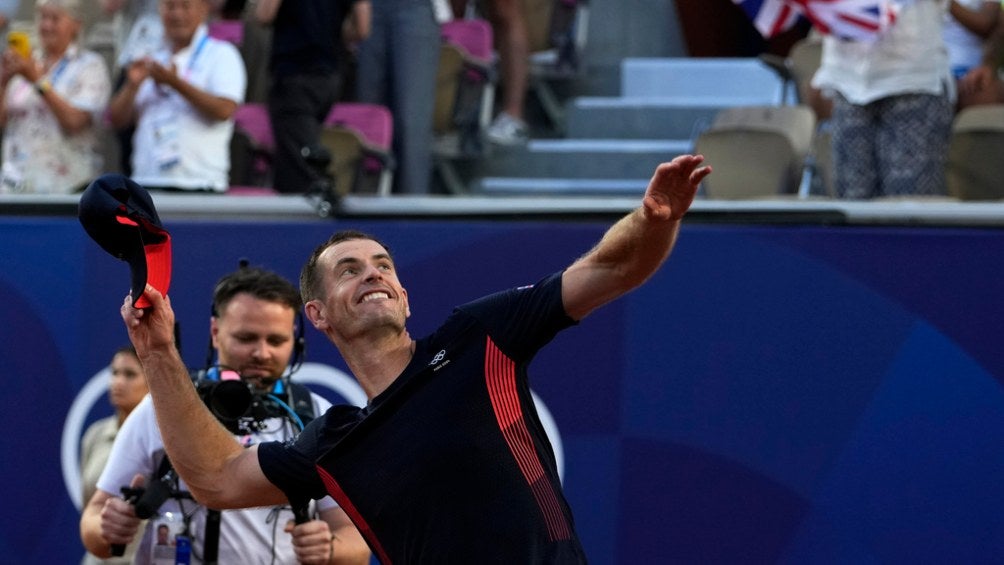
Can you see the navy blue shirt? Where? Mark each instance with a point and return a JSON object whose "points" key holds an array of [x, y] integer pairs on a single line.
{"points": [[450, 464]]}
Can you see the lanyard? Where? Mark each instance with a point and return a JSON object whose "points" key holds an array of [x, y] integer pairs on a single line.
{"points": [[58, 70], [195, 55]]}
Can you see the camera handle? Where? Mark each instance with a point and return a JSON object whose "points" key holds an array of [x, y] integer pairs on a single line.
{"points": [[132, 496], [301, 511], [146, 501]]}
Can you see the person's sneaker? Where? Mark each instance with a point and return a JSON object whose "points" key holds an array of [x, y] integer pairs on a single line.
{"points": [[508, 130]]}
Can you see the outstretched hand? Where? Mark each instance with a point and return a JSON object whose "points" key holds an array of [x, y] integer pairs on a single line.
{"points": [[150, 329], [673, 187]]}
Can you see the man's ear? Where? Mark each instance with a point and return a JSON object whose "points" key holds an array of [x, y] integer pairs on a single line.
{"points": [[407, 303], [214, 330], [315, 314]]}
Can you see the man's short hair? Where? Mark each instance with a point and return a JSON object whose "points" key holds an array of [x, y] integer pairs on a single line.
{"points": [[71, 7], [257, 282], [310, 279]]}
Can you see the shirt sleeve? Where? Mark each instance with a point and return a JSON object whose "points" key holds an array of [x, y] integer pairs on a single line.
{"points": [[291, 465], [136, 446], [524, 319], [91, 86], [229, 77]]}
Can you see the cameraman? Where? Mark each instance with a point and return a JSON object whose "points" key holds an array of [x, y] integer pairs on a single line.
{"points": [[253, 332]]}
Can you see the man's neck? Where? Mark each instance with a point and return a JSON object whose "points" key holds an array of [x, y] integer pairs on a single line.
{"points": [[181, 44], [177, 46], [376, 364]]}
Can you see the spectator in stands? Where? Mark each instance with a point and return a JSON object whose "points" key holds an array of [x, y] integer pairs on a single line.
{"points": [[983, 84], [51, 107], [509, 25], [126, 388], [182, 101], [968, 24], [893, 101], [396, 67], [306, 76]]}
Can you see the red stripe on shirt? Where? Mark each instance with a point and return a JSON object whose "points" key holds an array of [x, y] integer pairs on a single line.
{"points": [[500, 377], [336, 492]]}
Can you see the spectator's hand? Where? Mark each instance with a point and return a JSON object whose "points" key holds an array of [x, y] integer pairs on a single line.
{"points": [[150, 329], [163, 75], [978, 79], [312, 541], [673, 187], [15, 64], [119, 523], [137, 72]]}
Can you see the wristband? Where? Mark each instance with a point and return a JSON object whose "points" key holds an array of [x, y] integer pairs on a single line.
{"points": [[42, 86]]}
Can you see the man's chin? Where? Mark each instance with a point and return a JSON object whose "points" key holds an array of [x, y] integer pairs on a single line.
{"points": [[262, 383]]}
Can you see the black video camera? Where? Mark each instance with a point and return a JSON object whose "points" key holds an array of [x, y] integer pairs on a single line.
{"points": [[236, 404]]}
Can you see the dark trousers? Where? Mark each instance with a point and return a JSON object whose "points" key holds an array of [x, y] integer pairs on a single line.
{"points": [[297, 106]]}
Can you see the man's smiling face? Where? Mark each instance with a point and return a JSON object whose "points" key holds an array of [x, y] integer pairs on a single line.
{"points": [[361, 290]]}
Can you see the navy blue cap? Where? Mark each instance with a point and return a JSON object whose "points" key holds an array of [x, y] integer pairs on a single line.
{"points": [[120, 216]]}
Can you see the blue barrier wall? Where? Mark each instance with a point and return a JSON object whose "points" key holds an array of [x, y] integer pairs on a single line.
{"points": [[775, 394]]}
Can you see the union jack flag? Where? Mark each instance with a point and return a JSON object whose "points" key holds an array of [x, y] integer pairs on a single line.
{"points": [[771, 17], [857, 20]]}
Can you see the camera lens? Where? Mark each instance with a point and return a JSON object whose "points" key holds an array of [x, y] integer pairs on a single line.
{"points": [[230, 400]]}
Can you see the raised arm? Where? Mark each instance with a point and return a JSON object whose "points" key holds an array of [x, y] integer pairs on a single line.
{"points": [[218, 471], [981, 20], [122, 106], [634, 248]]}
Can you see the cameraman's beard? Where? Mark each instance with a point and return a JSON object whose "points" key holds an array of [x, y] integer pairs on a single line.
{"points": [[262, 383]]}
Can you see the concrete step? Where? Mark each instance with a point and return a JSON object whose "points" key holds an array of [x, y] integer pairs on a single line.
{"points": [[582, 158], [716, 81], [636, 118]]}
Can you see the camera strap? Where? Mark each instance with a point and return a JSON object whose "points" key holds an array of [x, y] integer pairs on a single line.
{"points": [[162, 469]]}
